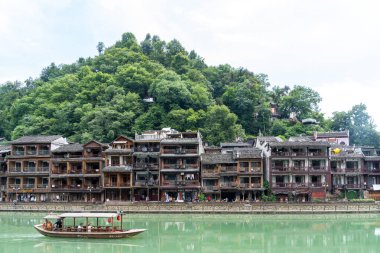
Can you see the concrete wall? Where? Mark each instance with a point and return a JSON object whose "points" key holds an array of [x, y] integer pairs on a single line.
{"points": [[257, 208]]}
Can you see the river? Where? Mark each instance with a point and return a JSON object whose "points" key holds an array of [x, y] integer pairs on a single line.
{"points": [[207, 233]]}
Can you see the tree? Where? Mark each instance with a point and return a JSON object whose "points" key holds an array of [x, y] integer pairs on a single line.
{"points": [[170, 91], [359, 123], [220, 125], [100, 47], [246, 101], [134, 78]]}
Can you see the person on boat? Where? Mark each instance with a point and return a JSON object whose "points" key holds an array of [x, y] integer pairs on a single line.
{"points": [[49, 225], [89, 227], [80, 227], [58, 224]]}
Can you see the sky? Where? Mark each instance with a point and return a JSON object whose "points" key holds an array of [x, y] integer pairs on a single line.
{"points": [[331, 46]]}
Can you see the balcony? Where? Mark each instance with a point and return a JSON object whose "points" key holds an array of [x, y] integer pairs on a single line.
{"points": [[189, 151], [299, 169], [209, 188], [75, 171], [59, 171], [151, 183], [172, 166], [31, 152], [318, 169], [250, 170], [15, 170], [256, 170], [73, 187], [14, 187], [35, 170], [91, 171], [280, 169], [317, 154], [210, 173], [168, 183], [146, 166], [114, 184], [249, 186], [145, 137], [146, 149], [352, 170], [280, 153], [354, 186], [316, 184], [29, 169], [43, 169], [337, 170], [244, 170], [28, 186], [19, 153], [300, 185], [228, 184], [189, 182], [43, 152], [191, 165], [282, 185], [256, 185], [228, 169], [373, 171], [179, 151]]}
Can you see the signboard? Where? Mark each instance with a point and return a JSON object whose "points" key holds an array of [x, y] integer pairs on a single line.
{"points": [[318, 195]]}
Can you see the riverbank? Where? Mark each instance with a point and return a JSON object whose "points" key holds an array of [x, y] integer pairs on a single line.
{"points": [[155, 207]]}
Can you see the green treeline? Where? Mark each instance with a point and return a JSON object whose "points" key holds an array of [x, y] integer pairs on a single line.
{"points": [[108, 95]]}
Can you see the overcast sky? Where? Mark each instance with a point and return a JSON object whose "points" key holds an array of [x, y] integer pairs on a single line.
{"points": [[330, 46]]}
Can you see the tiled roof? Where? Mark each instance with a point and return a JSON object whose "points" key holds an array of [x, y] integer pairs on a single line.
{"points": [[76, 147], [5, 149], [240, 153], [235, 144], [269, 139], [332, 134], [217, 158], [211, 147], [36, 139], [300, 143], [300, 138]]}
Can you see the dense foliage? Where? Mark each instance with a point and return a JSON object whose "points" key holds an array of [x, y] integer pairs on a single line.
{"points": [[111, 94]]}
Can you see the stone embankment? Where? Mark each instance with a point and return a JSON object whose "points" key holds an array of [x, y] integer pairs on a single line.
{"points": [[227, 208]]}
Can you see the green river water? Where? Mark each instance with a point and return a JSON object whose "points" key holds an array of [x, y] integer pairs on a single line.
{"points": [[207, 233]]}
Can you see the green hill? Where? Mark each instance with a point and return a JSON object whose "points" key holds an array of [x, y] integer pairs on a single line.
{"points": [[130, 87]]}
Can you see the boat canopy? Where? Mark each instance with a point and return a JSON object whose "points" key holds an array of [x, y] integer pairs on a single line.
{"points": [[81, 215]]}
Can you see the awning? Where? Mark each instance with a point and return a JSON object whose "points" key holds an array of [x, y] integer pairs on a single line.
{"points": [[81, 215], [376, 187]]}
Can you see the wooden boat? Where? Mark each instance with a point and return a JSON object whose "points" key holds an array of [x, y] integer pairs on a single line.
{"points": [[63, 229]]}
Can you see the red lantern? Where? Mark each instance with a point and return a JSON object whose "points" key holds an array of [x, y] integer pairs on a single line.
{"points": [[109, 220], [118, 218]]}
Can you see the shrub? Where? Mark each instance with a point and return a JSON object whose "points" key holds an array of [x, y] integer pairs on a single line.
{"points": [[363, 200], [268, 198]]}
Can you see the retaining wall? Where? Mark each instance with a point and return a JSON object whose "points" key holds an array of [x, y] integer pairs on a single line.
{"points": [[152, 207]]}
